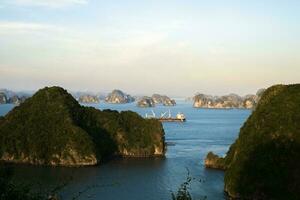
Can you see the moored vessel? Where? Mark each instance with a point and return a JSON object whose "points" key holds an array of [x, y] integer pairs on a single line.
{"points": [[180, 117]]}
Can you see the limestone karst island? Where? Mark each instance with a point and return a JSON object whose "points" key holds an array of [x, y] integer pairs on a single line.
{"points": [[52, 128], [149, 100]]}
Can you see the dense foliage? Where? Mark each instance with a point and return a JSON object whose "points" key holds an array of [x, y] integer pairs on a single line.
{"points": [[12, 191], [264, 162], [183, 192], [52, 128]]}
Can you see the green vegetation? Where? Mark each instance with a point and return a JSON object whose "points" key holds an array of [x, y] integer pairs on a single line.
{"points": [[264, 162], [183, 190], [52, 128], [12, 191]]}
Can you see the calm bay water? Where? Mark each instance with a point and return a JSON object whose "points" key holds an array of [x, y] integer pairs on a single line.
{"points": [[151, 179]]}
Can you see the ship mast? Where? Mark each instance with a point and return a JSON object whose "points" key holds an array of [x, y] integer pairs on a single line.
{"points": [[153, 113]]}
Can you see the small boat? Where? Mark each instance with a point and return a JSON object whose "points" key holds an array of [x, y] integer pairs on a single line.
{"points": [[163, 118]]}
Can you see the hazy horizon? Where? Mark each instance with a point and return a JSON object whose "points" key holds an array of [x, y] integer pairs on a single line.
{"points": [[106, 92], [143, 47]]}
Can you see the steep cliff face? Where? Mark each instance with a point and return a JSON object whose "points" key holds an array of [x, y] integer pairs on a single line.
{"points": [[52, 128], [250, 101], [213, 161], [88, 99], [117, 96], [225, 102], [10, 97], [154, 100], [146, 102], [163, 99], [17, 99], [3, 98], [263, 163]]}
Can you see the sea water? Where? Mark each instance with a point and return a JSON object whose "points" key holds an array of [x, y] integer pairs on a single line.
{"points": [[154, 178]]}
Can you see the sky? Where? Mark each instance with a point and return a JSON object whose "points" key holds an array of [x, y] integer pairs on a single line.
{"points": [[172, 47]]}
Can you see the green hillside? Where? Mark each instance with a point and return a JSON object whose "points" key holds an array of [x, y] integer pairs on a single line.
{"points": [[264, 162], [53, 128]]}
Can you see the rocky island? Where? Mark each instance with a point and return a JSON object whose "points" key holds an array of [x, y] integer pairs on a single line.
{"points": [[3, 98], [52, 128], [154, 100], [88, 99], [117, 96], [163, 99], [227, 101], [145, 102], [263, 163], [7, 96]]}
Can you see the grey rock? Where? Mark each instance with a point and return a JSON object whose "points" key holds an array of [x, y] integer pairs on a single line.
{"points": [[250, 101], [7, 96], [118, 97], [88, 99], [15, 100], [146, 102], [3, 98], [163, 99], [227, 101]]}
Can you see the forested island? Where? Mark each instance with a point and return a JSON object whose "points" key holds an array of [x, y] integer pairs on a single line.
{"points": [[52, 128], [263, 163]]}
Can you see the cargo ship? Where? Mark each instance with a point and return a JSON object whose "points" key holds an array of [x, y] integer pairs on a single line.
{"points": [[163, 118]]}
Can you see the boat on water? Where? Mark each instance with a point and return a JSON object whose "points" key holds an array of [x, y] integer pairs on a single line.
{"points": [[180, 117]]}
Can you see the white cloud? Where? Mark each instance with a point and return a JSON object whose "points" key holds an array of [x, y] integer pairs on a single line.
{"points": [[22, 27], [48, 3]]}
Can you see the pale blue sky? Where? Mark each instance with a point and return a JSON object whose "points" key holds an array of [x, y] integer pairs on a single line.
{"points": [[166, 46]]}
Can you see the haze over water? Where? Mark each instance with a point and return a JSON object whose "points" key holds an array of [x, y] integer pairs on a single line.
{"points": [[152, 179]]}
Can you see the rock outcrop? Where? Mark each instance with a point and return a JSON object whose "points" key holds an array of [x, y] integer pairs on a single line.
{"points": [[263, 163], [145, 102], [213, 161], [249, 101], [7, 96], [88, 99], [52, 128], [163, 99], [225, 102], [117, 96], [17, 99], [3, 98], [156, 99]]}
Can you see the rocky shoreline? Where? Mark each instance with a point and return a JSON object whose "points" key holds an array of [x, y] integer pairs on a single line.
{"points": [[52, 128], [265, 154]]}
